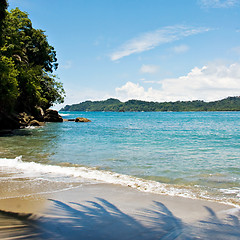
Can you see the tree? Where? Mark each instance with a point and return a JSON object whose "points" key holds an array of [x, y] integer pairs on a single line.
{"points": [[8, 73], [27, 65], [8, 84], [3, 7]]}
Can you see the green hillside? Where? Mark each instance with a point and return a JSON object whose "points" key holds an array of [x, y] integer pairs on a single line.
{"points": [[114, 105]]}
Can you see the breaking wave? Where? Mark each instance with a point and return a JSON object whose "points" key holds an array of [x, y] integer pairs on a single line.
{"points": [[32, 169]]}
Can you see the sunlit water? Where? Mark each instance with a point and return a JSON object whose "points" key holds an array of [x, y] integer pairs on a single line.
{"points": [[195, 154]]}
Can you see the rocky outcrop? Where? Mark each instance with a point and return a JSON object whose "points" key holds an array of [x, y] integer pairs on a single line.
{"points": [[36, 123], [81, 119], [12, 121], [78, 119], [24, 119], [39, 114], [52, 116], [9, 122]]}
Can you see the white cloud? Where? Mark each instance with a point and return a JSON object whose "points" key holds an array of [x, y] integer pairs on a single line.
{"points": [[208, 83], [218, 3], [147, 81], [149, 69], [153, 39], [129, 90], [180, 49]]}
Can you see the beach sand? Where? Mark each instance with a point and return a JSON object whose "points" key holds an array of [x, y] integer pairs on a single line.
{"points": [[106, 211]]}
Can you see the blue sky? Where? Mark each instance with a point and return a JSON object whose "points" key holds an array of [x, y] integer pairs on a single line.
{"points": [[154, 50]]}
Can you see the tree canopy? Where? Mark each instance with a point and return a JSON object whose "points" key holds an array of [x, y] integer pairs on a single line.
{"points": [[114, 105], [26, 66]]}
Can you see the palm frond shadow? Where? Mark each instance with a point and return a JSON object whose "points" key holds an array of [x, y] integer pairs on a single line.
{"points": [[101, 219], [16, 225], [162, 221], [214, 226]]}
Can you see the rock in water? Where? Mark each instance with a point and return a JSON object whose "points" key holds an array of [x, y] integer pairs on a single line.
{"points": [[36, 123], [52, 116], [81, 119]]}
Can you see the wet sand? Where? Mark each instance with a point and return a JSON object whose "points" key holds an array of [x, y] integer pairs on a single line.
{"points": [[106, 211]]}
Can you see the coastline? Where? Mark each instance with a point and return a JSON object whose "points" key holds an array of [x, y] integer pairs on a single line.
{"points": [[74, 175], [67, 200], [107, 211]]}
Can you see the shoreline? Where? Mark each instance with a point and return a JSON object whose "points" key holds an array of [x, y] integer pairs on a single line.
{"points": [[117, 212], [95, 176]]}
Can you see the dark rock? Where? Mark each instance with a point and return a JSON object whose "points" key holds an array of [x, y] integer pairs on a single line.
{"points": [[78, 119], [24, 119], [52, 116], [39, 114], [8, 121], [81, 119], [35, 123], [21, 120]]}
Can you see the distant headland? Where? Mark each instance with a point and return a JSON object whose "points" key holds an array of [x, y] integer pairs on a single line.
{"points": [[115, 105]]}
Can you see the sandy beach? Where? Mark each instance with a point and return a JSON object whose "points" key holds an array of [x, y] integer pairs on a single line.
{"points": [[106, 211], [120, 120]]}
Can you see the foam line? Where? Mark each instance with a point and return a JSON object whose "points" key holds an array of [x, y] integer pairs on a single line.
{"points": [[100, 176]]}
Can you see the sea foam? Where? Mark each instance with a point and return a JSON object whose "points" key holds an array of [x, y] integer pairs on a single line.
{"points": [[87, 173], [99, 176]]}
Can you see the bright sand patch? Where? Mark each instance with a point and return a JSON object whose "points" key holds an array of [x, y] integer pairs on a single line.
{"points": [[106, 211]]}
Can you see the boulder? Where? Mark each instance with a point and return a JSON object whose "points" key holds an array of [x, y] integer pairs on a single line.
{"points": [[35, 123], [24, 119], [81, 119], [39, 114], [52, 116]]}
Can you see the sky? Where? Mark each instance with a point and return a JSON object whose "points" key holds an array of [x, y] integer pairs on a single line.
{"points": [[152, 50]]}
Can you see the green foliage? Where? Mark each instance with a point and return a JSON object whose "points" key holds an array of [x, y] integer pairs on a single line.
{"points": [[8, 84], [114, 105], [27, 63], [3, 7], [51, 91]]}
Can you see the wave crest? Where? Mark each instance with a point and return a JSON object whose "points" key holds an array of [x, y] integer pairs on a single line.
{"points": [[102, 176]]}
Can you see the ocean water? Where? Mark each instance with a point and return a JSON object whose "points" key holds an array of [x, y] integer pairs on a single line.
{"points": [[190, 154]]}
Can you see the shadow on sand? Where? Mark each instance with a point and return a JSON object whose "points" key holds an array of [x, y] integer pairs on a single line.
{"points": [[102, 220]]}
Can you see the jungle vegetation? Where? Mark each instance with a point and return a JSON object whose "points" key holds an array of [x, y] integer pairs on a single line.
{"points": [[27, 65], [114, 105]]}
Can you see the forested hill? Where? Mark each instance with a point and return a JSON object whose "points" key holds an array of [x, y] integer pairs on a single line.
{"points": [[28, 62], [114, 105]]}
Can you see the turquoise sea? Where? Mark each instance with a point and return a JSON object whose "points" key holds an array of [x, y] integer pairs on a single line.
{"points": [[190, 154]]}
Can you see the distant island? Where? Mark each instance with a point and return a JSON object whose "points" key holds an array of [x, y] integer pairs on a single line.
{"points": [[115, 105]]}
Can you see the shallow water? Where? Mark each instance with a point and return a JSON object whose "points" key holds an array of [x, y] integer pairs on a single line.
{"points": [[192, 154]]}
